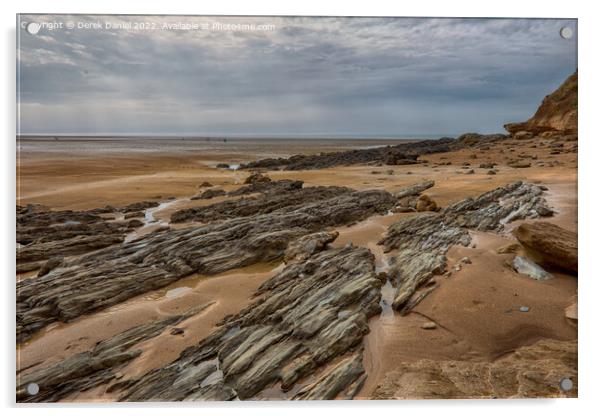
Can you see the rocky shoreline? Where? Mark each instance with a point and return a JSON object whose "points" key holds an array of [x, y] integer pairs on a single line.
{"points": [[307, 320]]}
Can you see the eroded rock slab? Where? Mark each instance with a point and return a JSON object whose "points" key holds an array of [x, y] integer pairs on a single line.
{"points": [[112, 275], [550, 243], [304, 318]]}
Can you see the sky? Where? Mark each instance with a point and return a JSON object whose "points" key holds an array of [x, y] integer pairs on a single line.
{"points": [[284, 76]]}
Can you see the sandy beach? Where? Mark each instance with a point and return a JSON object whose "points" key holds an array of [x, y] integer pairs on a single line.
{"points": [[476, 308]]}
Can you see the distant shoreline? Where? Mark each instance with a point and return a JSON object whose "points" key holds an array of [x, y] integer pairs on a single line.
{"points": [[219, 139]]}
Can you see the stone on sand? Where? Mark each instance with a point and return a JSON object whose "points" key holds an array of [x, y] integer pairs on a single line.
{"points": [[553, 244], [529, 268]]}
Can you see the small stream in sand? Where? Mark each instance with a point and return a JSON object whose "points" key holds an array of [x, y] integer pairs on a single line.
{"points": [[152, 223]]}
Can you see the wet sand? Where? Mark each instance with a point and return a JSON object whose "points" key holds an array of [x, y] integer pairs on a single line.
{"points": [[476, 308]]}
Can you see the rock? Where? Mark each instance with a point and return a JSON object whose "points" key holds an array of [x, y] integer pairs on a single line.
{"points": [[135, 223], [206, 185], [509, 248], [135, 214], [275, 198], [486, 165], [303, 319], [529, 268], [465, 260], [256, 177], [469, 172], [429, 325], [422, 240], [491, 172], [223, 166], [524, 309], [401, 154], [335, 381], [302, 248], [209, 193], [550, 243], [267, 187], [139, 206], [49, 265], [473, 139], [425, 203], [80, 244], [176, 331], [112, 275], [415, 189]]}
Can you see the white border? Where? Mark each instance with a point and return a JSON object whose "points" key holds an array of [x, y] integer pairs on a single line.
{"points": [[590, 22]]}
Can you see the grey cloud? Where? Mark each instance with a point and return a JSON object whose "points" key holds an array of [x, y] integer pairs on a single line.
{"points": [[357, 76]]}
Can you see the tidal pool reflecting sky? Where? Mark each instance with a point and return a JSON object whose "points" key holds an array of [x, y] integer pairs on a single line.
{"points": [[272, 76]]}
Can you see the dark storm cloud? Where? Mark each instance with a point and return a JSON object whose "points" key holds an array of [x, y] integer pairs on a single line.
{"points": [[308, 76]]}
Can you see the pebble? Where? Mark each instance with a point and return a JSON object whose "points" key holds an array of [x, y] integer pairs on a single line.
{"points": [[524, 309], [429, 325]]}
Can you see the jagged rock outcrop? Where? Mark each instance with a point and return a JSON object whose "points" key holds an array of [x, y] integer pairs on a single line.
{"points": [[401, 154], [272, 199], [109, 276], [88, 369], [550, 244], [557, 114], [304, 318], [422, 240]]}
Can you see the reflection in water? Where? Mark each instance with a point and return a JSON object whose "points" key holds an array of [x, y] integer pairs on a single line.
{"points": [[387, 292], [177, 292]]}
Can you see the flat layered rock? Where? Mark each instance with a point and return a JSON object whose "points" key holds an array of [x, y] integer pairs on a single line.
{"points": [[550, 243], [109, 276], [422, 240], [43, 234], [304, 317]]}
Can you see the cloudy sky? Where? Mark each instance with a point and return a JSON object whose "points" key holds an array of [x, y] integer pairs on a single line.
{"points": [[285, 76]]}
